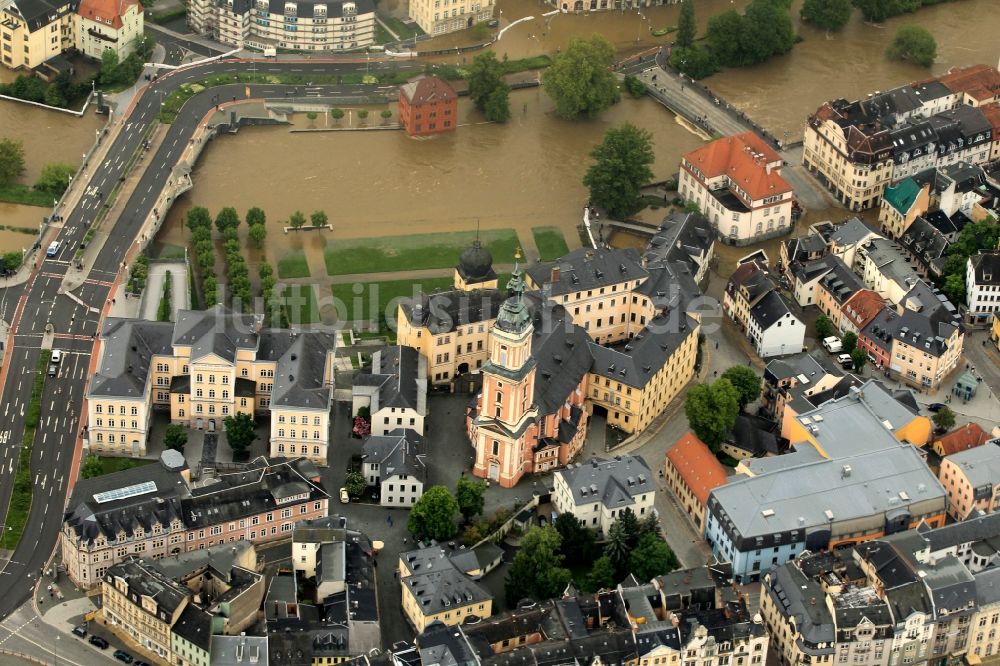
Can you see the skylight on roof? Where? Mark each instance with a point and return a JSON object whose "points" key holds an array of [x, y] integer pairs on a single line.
{"points": [[126, 492]]}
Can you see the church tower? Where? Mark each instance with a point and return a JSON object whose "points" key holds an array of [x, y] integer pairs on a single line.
{"points": [[506, 417]]}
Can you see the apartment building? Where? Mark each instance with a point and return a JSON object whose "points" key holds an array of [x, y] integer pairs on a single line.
{"points": [[859, 148], [692, 471], [851, 478], [752, 301], [293, 25], [736, 183], [204, 367], [972, 479], [926, 246], [427, 105], [393, 389], [437, 17], [597, 491], [157, 511], [441, 592], [885, 267], [902, 203], [982, 287], [915, 597], [170, 608]]}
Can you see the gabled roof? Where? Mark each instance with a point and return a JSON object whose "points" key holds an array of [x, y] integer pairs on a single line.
{"points": [[770, 309], [964, 438], [849, 233], [612, 482], [300, 372], [128, 346], [108, 12], [426, 89], [587, 269], [399, 453], [398, 374], [215, 331], [862, 307], [986, 267], [746, 160], [697, 466], [979, 81], [902, 195]]}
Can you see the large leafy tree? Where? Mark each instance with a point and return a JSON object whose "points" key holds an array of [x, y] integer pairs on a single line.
{"points": [[914, 43], [580, 81], [827, 14], [175, 436], [471, 496], [227, 218], [877, 11], [823, 327], [239, 431], [487, 88], [54, 178], [651, 558], [577, 539], [686, 26], [849, 342], [255, 216], [621, 167], [354, 483], [602, 575], [746, 382], [434, 515], [11, 161], [695, 61], [711, 411], [537, 571], [944, 419], [616, 547], [764, 30], [91, 467]]}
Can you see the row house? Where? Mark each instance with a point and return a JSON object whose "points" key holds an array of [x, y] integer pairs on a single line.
{"points": [[204, 367], [692, 471], [982, 287], [752, 301], [972, 476], [393, 390], [886, 268], [736, 183], [156, 511], [859, 148]]}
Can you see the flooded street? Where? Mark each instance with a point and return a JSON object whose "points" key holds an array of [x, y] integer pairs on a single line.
{"points": [[524, 174]]}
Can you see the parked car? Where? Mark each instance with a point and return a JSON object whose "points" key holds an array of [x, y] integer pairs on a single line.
{"points": [[936, 406], [56, 356], [99, 642], [53, 369], [344, 497], [833, 344], [123, 656], [845, 361], [80, 630]]}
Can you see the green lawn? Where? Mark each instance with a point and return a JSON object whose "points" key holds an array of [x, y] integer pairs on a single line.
{"points": [[167, 251], [416, 252], [404, 30], [303, 309], [112, 465], [551, 242], [377, 295], [382, 35], [293, 265]]}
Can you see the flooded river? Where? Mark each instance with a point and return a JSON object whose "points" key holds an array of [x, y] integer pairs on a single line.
{"points": [[524, 174]]}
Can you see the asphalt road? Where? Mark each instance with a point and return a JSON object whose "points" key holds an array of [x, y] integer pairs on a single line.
{"points": [[33, 307]]}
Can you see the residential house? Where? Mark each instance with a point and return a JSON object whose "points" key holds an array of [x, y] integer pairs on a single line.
{"points": [[238, 651], [784, 374], [851, 478], [972, 478], [428, 105], [35, 31], [109, 24], [836, 288], [885, 267], [155, 511], [804, 249], [301, 25], [926, 246], [205, 366], [598, 491], [395, 465], [473, 562], [982, 286], [847, 237], [753, 302], [393, 389], [736, 183], [438, 590], [902, 203], [682, 238], [692, 471], [859, 310], [960, 439]]}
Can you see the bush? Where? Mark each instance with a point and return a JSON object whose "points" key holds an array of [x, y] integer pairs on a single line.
{"points": [[634, 86], [913, 43]]}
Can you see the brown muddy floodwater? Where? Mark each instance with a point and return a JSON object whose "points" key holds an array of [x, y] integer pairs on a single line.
{"points": [[526, 173], [47, 136]]}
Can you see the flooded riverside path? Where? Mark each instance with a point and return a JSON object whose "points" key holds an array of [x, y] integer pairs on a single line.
{"points": [[524, 174]]}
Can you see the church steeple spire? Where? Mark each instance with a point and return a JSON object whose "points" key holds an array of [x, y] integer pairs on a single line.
{"points": [[514, 316]]}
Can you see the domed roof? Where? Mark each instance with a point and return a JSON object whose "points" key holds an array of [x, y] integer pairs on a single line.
{"points": [[476, 263]]}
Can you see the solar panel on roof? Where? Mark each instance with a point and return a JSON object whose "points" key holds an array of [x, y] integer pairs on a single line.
{"points": [[126, 492]]}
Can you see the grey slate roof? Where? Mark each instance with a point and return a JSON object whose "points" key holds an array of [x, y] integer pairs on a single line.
{"points": [[195, 626], [926, 243], [395, 374], [215, 331], [850, 232], [128, 347], [444, 311], [238, 650], [986, 267], [443, 587], [981, 464], [401, 452], [612, 482], [802, 363], [841, 282], [299, 372], [40, 13], [587, 268], [636, 362], [681, 237], [146, 580], [770, 309], [792, 592]]}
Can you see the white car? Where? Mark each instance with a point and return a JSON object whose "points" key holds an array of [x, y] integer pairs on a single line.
{"points": [[344, 497], [845, 361], [56, 356]]}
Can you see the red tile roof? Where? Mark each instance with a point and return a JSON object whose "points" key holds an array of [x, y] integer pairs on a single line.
{"points": [[979, 81], [108, 12], [424, 88], [744, 158], [697, 466], [967, 437], [862, 307], [992, 113]]}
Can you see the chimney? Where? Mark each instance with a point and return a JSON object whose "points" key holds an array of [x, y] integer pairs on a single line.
{"points": [[555, 274]]}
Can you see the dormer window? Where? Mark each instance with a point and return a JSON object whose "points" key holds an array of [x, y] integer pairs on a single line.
{"points": [[349, 9], [290, 9]]}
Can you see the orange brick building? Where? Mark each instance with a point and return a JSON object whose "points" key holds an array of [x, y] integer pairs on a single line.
{"points": [[427, 105]]}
